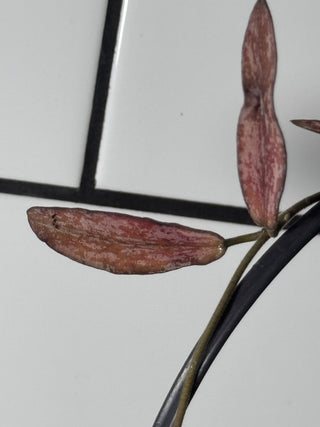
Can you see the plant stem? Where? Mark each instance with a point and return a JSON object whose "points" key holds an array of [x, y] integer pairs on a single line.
{"points": [[248, 290], [244, 238], [199, 351], [288, 214], [283, 219], [260, 238]]}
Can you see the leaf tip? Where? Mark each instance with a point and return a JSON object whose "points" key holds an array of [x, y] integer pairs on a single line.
{"points": [[308, 124]]}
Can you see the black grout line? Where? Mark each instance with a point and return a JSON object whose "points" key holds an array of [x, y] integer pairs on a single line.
{"points": [[122, 200], [87, 194], [34, 189], [108, 46]]}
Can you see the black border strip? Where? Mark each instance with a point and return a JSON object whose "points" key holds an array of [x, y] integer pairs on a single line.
{"points": [[248, 291], [108, 46], [122, 200]]}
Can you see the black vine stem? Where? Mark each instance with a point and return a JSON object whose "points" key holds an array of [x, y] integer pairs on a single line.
{"points": [[247, 292]]}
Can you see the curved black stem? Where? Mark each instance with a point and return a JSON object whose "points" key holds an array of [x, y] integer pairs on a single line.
{"points": [[247, 292]]}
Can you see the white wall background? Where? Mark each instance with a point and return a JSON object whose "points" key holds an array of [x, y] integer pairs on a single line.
{"points": [[81, 347]]}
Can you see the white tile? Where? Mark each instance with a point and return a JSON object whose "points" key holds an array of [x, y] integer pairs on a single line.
{"points": [[49, 56], [82, 347], [176, 95], [164, 117]]}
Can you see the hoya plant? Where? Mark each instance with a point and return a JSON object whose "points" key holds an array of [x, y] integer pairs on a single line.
{"points": [[125, 244]]}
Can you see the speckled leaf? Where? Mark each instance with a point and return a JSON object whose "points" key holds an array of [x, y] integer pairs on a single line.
{"points": [[313, 125], [121, 243], [261, 148]]}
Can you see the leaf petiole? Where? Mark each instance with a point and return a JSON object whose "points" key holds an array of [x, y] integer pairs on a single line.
{"points": [[244, 238]]}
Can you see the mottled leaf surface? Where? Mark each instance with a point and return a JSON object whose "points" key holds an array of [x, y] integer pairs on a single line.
{"points": [[261, 149], [313, 125], [123, 244]]}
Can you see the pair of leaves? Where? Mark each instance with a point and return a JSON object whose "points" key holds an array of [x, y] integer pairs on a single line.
{"points": [[130, 245]]}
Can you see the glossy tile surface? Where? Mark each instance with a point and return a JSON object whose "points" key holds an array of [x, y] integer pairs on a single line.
{"points": [[81, 347], [176, 95], [49, 56]]}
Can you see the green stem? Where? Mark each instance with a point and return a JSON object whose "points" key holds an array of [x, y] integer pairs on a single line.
{"points": [[288, 214], [244, 238], [262, 237]]}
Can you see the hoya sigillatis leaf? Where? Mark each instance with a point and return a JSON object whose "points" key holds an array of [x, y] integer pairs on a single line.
{"points": [[261, 149], [123, 244]]}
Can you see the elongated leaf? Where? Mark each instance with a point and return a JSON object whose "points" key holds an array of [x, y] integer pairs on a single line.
{"points": [[123, 244], [261, 148], [313, 125]]}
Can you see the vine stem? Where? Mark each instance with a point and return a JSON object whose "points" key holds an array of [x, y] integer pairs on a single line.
{"points": [[283, 218], [261, 237], [248, 290], [288, 214], [244, 238]]}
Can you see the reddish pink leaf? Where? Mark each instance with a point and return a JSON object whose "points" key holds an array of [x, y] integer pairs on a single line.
{"points": [[313, 125], [122, 243], [261, 148]]}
